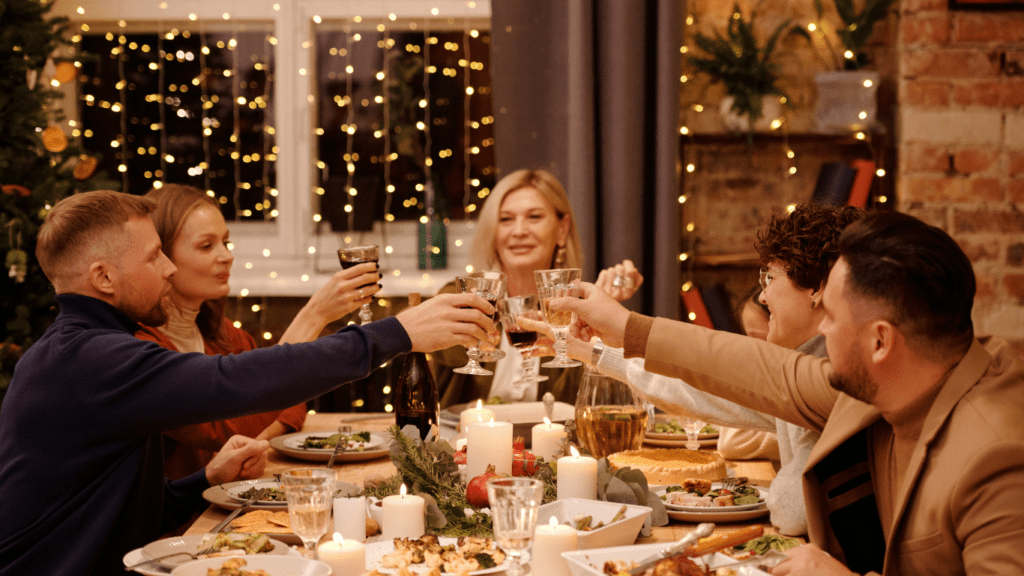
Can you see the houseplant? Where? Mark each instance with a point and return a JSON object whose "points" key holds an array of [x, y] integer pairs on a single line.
{"points": [[747, 69]]}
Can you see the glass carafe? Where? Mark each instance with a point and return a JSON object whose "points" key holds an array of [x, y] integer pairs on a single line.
{"points": [[609, 416]]}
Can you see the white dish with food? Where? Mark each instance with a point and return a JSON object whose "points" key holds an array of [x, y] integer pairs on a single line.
{"points": [[591, 562], [712, 506], [194, 543], [243, 490], [620, 533], [154, 569], [226, 495], [276, 565], [376, 551], [294, 445]]}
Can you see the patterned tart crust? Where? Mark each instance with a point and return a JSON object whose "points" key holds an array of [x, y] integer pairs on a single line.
{"points": [[671, 466]]}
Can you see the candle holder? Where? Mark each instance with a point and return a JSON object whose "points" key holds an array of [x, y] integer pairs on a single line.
{"points": [[310, 493], [514, 503]]}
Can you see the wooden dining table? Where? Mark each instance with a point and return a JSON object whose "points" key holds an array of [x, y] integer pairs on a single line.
{"points": [[759, 473]]}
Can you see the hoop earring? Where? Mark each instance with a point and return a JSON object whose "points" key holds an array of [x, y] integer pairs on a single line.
{"points": [[560, 257]]}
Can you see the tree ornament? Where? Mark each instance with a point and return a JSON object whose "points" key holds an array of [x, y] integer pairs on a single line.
{"points": [[85, 167], [31, 76], [54, 139], [16, 261], [13, 189], [49, 69], [66, 72]]}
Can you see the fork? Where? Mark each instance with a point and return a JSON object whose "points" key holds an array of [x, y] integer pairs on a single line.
{"points": [[195, 556], [731, 483]]}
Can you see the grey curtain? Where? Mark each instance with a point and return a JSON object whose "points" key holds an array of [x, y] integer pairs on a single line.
{"points": [[589, 89]]}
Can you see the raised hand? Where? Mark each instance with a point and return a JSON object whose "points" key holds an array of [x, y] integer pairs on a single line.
{"points": [[598, 314], [811, 561], [241, 458], [447, 320], [345, 292], [620, 281]]}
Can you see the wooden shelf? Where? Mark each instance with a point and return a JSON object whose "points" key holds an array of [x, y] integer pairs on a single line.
{"points": [[776, 137], [734, 259]]}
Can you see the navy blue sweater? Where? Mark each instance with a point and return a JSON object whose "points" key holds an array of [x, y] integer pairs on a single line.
{"points": [[81, 469]]}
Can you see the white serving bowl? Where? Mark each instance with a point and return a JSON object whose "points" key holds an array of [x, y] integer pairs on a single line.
{"points": [[621, 533], [276, 565]]}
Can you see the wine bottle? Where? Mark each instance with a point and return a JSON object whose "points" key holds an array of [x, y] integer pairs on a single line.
{"points": [[416, 399]]}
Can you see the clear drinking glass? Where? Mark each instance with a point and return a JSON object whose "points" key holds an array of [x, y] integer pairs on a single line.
{"points": [[514, 503], [489, 353], [609, 416], [310, 493], [521, 338], [490, 289], [692, 426], [359, 255], [553, 284]]}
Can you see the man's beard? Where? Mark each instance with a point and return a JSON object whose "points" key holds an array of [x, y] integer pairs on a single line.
{"points": [[155, 315], [857, 384]]}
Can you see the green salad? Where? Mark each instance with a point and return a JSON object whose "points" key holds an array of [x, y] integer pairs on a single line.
{"points": [[357, 441], [673, 427]]}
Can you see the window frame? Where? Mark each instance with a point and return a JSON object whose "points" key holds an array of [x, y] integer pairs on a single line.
{"points": [[290, 269]]}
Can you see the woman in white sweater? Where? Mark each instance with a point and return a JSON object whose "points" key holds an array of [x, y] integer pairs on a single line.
{"points": [[797, 250]]}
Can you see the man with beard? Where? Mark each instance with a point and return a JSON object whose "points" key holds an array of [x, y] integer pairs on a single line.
{"points": [[920, 465], [81, 463]]}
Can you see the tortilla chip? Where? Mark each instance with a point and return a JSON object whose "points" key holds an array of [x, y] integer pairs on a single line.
{"points": [[263, 521]]}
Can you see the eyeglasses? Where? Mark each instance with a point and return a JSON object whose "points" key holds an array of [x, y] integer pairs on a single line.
{"points": [[765, 278]]}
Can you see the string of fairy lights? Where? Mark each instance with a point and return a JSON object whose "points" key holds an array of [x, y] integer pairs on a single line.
{"points": [[779, 126]]}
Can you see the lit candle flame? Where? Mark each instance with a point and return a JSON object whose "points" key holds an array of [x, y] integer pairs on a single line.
{"points": [[339, 539], [479, 404], [553, 522], [548, 422], [402, 491], [491, 423], [574, 451]]}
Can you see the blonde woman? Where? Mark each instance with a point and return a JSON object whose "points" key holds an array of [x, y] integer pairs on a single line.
{"points": [[525, 225]]}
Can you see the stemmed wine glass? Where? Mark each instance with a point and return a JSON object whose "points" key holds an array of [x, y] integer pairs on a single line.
{"points": [[514, 504], [553, 284], [489, 289], [692, 426], [359, 255], [521, 338], [489, 353], [310, 493]]}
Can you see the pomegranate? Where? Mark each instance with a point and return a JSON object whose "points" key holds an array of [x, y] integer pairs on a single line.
{"points": [[476, 490], [524, 463], [460, 456]]}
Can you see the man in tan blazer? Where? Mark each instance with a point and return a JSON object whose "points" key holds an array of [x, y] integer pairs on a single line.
{"points": [[920, 466]]}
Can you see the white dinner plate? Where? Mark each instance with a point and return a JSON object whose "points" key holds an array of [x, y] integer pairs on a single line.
{"points": [[291, 445], [676, 442], [276, 565], [221, 495], [377, 550], [235, 490], [591, 562], [191, 544], [154, 569], [716, 509]]}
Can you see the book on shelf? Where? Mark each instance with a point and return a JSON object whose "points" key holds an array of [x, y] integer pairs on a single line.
{"points": [[717, 303], [861, 187], [835, 180], [694, 303]]}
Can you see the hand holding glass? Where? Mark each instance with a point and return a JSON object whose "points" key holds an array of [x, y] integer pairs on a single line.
{"points": [[521, 338], [553, 284], [489, 288], [359, 255], [310, 493], [514, 504]]}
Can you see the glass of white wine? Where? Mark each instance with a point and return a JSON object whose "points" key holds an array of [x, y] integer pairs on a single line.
{"points": [[489, 288], [553, 284], [514, 505], [310, 493]]}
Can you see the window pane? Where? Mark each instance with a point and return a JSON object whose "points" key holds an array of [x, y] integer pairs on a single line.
{"points": [[384, 132], [185, 107]]}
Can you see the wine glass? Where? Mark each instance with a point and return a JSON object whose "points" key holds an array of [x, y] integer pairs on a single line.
{"points": [[359, 255], [692, 426], [609, 416], [514, 503], [553, 284], [489, 289], [490, 353], [310, 493], [520, 337]]}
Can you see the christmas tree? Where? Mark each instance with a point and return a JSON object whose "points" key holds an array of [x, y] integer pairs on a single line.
{"points": [[38, 166]]}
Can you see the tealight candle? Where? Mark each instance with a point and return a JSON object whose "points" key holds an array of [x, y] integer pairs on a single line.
{"points": [[403, 516], [546, 441], [577, 476], [548, 544], [478, 414], [350, 518], [489, 443], [343, 556]]}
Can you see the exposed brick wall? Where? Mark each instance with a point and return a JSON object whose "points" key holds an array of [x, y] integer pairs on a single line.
{"points": [[961, 140]]}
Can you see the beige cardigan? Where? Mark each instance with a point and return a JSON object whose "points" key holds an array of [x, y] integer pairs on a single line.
{"points": [[959, 509]]}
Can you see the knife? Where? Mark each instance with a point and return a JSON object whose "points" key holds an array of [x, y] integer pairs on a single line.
{"points": [[245, 506], [339, 446], [701, 531]]}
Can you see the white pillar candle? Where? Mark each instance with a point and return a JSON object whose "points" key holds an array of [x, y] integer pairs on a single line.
{"points": [[488, 443], [547, 440], [343, 556], [548, 544], [350, 518], [403, 516], [478, 414], [577, 476]]}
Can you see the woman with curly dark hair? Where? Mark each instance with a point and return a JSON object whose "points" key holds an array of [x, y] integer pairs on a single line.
{"points": [[797, 250]]}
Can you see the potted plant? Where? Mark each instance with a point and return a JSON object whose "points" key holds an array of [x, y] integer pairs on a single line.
{"points": [[746, 68], [846, 95]]}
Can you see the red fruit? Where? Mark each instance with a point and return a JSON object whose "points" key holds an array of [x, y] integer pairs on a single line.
{"points": [[518, 443], [460, 456], [476, 491], [524, 463]]}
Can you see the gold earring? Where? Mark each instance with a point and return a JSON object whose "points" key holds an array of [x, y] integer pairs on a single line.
{"points": [[560, 256]]}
